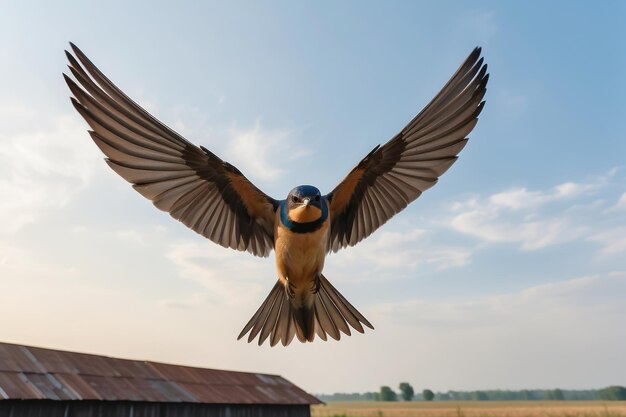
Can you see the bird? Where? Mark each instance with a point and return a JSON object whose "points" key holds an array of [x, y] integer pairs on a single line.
{"points": [[214, 198]]}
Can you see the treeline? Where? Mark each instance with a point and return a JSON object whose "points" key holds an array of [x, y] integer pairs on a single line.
{"points": [[406, 393]]}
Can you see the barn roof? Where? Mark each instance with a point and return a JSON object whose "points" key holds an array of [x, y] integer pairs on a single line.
{"points": [[30, 373]]}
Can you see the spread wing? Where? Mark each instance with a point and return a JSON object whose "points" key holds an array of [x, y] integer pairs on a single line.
{"points": [[395, 174], [207, 194]]}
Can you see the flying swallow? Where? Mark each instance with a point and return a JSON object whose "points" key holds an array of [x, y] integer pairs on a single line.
{"points": [[213, 198]]}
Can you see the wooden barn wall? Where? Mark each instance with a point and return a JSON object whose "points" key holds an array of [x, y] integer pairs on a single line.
{"points": [[47, 408]]}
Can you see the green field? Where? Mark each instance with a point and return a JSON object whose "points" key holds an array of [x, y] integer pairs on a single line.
{"points": [[471, 409]]}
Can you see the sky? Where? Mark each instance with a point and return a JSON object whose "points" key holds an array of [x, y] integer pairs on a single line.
{"points": [[509, 274]]}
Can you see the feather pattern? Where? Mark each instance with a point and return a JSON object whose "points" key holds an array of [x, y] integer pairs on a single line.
{"points": [[195, 186], [279, 320], [395, 174]]}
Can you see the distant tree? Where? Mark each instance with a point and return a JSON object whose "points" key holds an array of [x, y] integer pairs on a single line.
{"points": [[371, 396], [479, 396], [613, 393], [456, 396], [428, 395], [442, 396], [406, 390], [555, 394], [387, 394]]}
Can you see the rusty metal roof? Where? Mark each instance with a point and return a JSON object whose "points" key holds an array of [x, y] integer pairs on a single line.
{"points": [[30, 373]]}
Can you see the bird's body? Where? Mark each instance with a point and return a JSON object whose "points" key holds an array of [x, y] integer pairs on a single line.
{"points": [[301, 234], [215, 199], [300, 256]]}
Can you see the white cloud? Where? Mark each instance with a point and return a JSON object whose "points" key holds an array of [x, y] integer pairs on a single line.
{"points": [[398, 254], [518, 198], [42, 168], [486, 223], [550, 301], [534, 219], [621, 203], [521, 198], [255, 150], [613, 241], [230, 277]]}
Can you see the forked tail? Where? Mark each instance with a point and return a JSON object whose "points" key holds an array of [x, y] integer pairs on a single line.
{"points": [[280, 320]]}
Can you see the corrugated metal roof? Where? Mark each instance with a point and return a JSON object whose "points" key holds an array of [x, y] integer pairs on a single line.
{"points": [[30, 373]]}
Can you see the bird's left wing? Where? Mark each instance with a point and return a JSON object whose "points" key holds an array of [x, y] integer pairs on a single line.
{"points": [[195, 186], [392, 176]]}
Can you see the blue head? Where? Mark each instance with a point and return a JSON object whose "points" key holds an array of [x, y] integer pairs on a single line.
{"points": [[304, 195], [304, 204]]}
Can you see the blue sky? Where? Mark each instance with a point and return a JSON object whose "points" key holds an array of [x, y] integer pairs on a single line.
{"points": [[510, 273]]}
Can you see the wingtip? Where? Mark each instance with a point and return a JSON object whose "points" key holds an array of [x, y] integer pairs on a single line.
{"points": [[480, 107], [80, 108], [476, 54], [472, 58], [73, 65], [81, 55], [70, 83], [243, 332], [367, 323]]}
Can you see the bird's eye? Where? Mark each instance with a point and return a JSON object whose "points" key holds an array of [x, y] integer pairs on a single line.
{"points": [[317, 198], [295, 199]]}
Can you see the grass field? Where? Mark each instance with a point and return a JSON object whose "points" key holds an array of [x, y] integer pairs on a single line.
{"points": [[472, 409]]}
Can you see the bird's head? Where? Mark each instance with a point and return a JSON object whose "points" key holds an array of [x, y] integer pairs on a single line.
{"points": [[304, 204]]}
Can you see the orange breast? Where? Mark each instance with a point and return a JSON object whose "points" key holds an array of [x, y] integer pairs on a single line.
{"points": [[299, 256], [305, 214]]}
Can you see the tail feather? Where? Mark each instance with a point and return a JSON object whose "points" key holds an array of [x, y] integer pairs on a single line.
{"points": [[299, 333], [320, 332], [351, 314], [283, 325], [325, 320], [332, 310], [257, 321], [304, 319], [280, 320], [272, 321]]}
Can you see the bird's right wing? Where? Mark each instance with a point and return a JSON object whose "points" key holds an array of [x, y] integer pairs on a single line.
{"points": [[195, 186]]}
